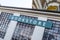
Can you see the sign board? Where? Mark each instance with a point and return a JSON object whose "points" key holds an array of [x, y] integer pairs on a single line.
{"points": [[29, 20]]}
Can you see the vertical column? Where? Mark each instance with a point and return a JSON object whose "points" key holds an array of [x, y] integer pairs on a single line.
{"points": [[11, 28], [39, 4], [38, 31], [36, 3]]}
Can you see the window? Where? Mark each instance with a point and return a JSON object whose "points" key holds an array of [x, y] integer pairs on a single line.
{"points": [[23, 31], [4, 23], [54, 32]]}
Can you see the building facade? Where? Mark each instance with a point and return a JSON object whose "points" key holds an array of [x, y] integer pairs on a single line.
{"points": [[16, 30]]}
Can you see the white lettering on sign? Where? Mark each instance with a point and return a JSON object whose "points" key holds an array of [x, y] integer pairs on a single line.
{"points": [[16, 18], [34, 21], [27, 20], [39, 23], [30, 21], [19, 19], [12, 17], [44, 23], [23, 20]]}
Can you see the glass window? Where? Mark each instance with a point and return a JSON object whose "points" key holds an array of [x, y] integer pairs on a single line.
{"points": [[23, 31], [4, 23], [54, 32]]}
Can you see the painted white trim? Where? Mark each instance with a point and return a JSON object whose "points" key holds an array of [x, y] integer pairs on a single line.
{"points": [[53, 4], [38, 31], [36, 4], [11, 28], [39, 3]]}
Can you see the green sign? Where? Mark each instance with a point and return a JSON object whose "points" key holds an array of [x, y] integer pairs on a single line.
{"points": [[28, 20]]}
